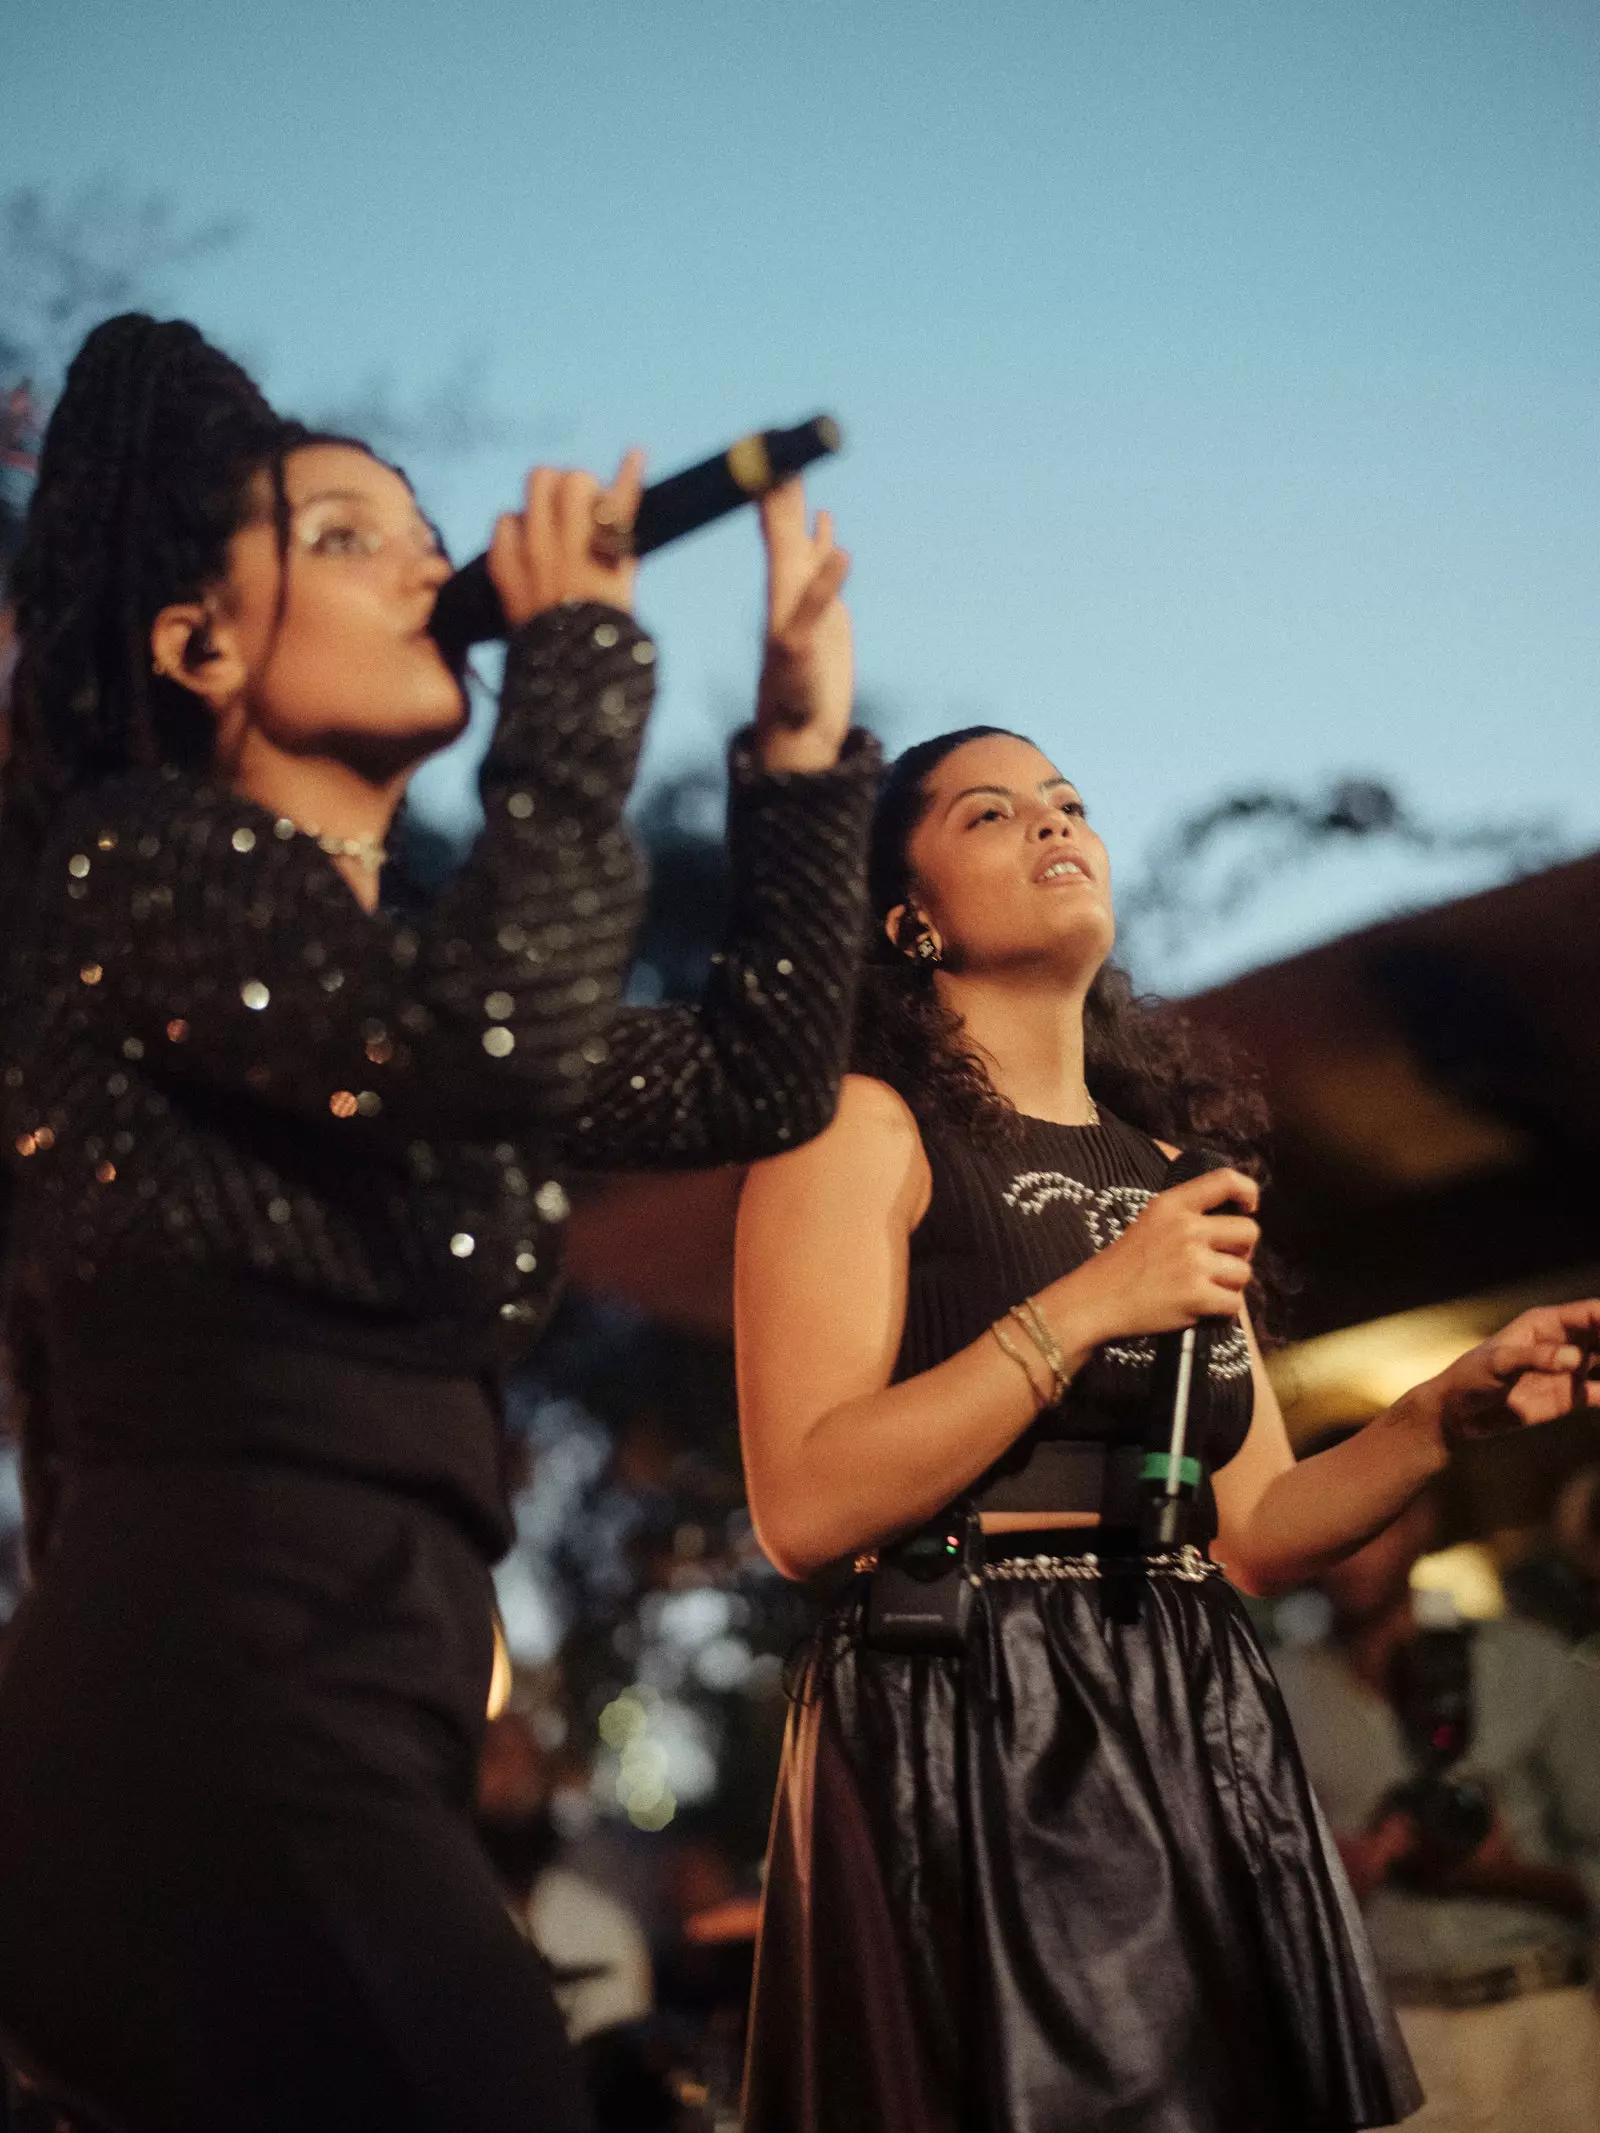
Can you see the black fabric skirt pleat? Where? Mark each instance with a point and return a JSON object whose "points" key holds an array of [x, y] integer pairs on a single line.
{"points": [[1075, 1882]]}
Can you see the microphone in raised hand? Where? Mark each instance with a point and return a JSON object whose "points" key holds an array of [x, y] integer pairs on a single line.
{"points": [[468, 609]]}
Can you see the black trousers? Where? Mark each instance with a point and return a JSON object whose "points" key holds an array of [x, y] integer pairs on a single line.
{"points": [[239, 1889]]}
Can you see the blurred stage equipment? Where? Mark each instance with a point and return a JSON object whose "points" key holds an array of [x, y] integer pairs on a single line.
{"points": [[1433, 1084], [1436, 1157], [468, 609], [1433, 1694]]}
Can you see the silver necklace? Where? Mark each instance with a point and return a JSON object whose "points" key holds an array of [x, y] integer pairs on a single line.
{"points": [[372, 850]]}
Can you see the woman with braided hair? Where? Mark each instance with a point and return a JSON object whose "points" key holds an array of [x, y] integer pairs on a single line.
{"points": [[287, 1201]]}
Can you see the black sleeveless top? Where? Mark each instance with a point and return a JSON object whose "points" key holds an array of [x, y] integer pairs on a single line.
{"points": [[1003, 1224]]}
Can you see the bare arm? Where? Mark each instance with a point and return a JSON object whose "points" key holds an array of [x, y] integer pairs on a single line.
{"points": [[1279, 1524], [1282, 1523], [836, 1458]]}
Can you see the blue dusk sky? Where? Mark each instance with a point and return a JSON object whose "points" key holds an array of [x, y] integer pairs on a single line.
{"points": [[1219, 375]]}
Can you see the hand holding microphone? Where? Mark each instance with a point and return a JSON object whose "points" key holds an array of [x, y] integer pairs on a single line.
{"points": [[611, 528], [1187, 1257], [1179, 1271], [548, 552], [574, 540]]}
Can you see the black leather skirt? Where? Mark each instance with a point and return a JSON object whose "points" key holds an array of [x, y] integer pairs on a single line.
{"points": [[1073, 1881]]}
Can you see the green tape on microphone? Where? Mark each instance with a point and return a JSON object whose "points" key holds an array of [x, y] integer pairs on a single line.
{"points": [[1158, 1466]]}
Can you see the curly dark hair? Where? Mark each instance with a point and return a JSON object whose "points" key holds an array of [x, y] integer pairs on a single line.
{"points": [[150, 463], [1142, 1059]]}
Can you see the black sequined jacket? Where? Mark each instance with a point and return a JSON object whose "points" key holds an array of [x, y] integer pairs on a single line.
{"points": [[241, 1110]]}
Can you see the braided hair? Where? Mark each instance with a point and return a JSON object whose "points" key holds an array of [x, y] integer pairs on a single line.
{"points": [[148, 466], [1142, 1059]]}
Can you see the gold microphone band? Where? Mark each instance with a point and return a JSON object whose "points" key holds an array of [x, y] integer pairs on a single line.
{"points": [[750, 464]]}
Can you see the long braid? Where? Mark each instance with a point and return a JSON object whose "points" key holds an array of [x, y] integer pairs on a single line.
{"points": [[145, 473]]}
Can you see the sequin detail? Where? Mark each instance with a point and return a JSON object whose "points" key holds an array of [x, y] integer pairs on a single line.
{"points": [[247, 1072]]}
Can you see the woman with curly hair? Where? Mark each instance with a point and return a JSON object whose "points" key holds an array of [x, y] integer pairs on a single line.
{"points": [[1044, 1859], [288, 1202]]}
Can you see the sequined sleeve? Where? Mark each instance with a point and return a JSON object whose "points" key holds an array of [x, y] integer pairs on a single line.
{"points": [[755, 1066], [216, 944]]}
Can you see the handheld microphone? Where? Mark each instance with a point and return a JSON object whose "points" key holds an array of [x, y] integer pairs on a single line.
{"points": [[468, 609], [1172, 1477]]}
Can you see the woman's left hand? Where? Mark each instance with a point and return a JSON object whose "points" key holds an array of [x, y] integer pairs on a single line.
{"points": [[807, 674], [1536, 1369]]}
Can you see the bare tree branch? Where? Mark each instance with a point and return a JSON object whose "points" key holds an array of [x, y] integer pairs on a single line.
{"points": [[450, 417], [1214, 864], [64, 264]]}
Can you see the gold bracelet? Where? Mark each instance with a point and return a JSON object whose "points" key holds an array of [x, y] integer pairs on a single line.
{"points": [[1009, 1347], [1032, 1321]]}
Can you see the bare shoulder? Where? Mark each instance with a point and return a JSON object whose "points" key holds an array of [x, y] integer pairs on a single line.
{"points": [[872, 1106], [1172, 1154], [874, 1125], [872, 1148]]}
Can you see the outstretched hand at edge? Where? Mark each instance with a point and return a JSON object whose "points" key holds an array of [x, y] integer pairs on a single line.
{"points": [[1540, 1367]]}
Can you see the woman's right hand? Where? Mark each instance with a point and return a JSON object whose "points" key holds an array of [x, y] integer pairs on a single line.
{"points": [[547, 554], [1179, 1262]]}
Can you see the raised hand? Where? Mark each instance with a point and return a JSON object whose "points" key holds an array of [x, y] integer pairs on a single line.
{"points": [[807, 672], [561, 545], [1543, 1365]]}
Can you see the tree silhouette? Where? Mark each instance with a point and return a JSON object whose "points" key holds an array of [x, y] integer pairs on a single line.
{"points": [[67, 263]]}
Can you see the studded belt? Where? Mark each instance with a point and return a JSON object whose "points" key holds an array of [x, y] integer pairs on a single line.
{"points": [[1187, 1563], [1012, 1558]]}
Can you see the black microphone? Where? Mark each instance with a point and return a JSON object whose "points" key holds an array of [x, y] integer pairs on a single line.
{"points": [[1172, 1477], [468, 609]]}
